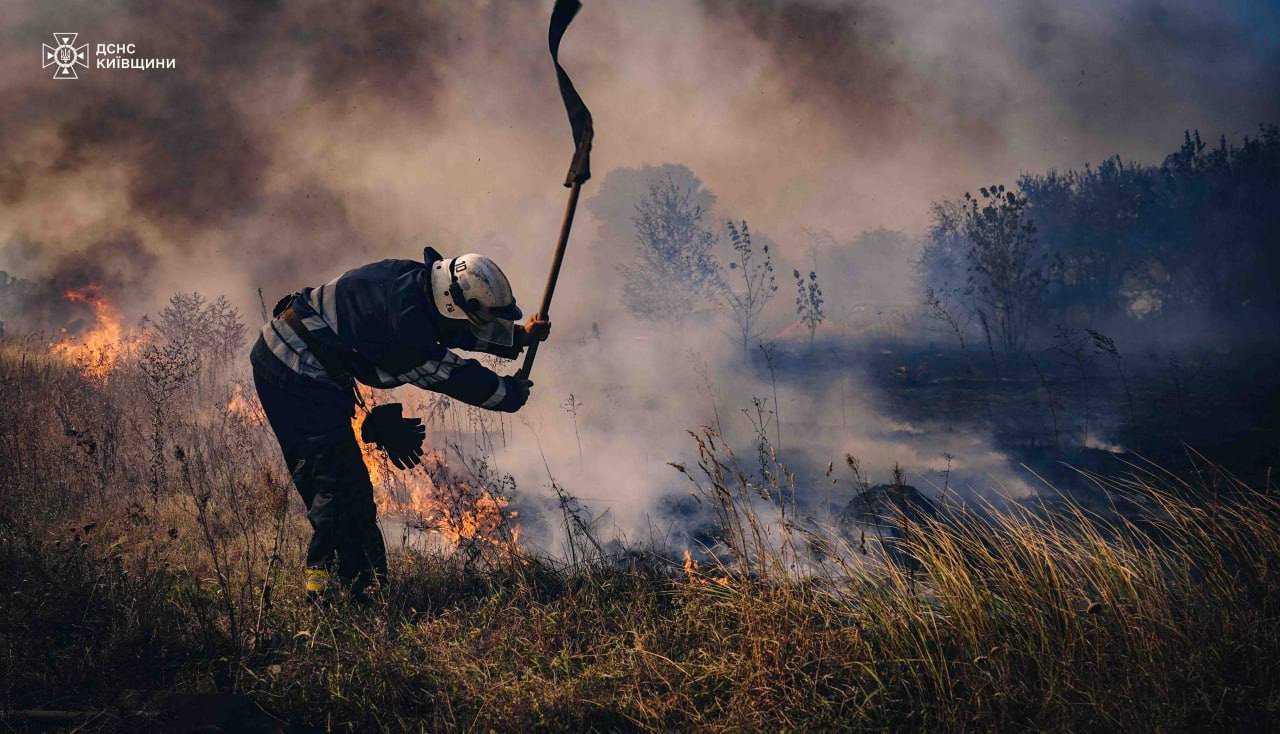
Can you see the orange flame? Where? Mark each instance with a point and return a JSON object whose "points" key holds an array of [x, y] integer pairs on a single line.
{"points": [[97, 350], [373, 460], [460, 512], [692, 571], [246, 409]]}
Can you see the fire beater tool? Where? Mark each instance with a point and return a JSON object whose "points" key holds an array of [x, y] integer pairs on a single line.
{"points": [[579, 169]]}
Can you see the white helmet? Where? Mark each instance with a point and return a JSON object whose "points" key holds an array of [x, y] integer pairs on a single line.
{"points": [[474, 288]]}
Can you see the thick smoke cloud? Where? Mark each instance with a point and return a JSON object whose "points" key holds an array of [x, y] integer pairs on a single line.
{"points": [[118, 265], [842, 61], [415, 122], [193, 158], [1110, 75], [881, 106], [194, 162]]}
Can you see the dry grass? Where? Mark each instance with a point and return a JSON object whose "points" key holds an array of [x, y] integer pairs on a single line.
{"points": [[1160, 617]]}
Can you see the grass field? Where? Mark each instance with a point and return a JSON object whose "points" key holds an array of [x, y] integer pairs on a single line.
{"points": [[136, 565]]}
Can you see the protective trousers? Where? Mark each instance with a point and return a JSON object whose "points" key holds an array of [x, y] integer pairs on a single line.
{"points": [[312, 422]]}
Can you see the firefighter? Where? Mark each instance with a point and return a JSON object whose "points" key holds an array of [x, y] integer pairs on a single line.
{"points": [[385, 324]]}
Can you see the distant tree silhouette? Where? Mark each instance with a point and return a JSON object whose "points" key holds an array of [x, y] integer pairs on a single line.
{"points": [[1006, 271], [673, 272], [1193, 238]]}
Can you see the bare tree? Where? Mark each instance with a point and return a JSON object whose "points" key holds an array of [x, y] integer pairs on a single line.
{"points": [[758, 284], [184, 319], [214, 328], [940, 309], [226, 329], [674, 271]]}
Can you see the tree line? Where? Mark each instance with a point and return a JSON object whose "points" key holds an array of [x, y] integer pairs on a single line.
{"points": [[1191, 240]]}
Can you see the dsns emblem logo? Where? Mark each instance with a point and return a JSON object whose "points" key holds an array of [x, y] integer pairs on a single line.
{"points": [[65, 56]]}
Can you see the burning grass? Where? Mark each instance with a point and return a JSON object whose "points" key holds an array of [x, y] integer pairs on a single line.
{"points": [[468, 514], [98, 347], [1160, 617]]}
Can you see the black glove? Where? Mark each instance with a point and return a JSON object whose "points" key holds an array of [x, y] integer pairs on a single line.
{"points": [[400, 437], [517, 394]]}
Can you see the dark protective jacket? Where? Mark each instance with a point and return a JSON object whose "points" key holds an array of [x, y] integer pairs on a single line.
{"points": [[377, 325]]}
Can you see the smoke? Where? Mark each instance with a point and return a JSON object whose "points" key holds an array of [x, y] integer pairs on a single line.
{"points": [[200, 161], [405, 122], [296, 140], [117, 264]]}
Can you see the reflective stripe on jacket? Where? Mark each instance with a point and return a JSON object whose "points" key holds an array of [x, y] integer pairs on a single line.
{"points": [[379, 320]]}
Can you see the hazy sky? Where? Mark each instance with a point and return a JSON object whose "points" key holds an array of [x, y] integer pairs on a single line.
{"points": [[295, 138]]}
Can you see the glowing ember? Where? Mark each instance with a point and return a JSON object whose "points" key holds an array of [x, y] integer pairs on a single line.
{"points": [[246, 409], [97, 350]]}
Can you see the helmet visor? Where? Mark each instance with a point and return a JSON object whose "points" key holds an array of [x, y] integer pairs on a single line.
{"points": [[509, 312], [493, 331], [485, 314]]}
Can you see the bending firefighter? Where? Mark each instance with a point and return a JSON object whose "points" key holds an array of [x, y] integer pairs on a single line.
{"points": [[386, 324]]}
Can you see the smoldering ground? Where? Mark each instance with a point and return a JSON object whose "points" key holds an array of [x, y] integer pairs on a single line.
{"points": [[294, 141]]}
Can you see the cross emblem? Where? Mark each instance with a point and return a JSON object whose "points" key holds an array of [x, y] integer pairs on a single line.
{"points": [[66, 55]]}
